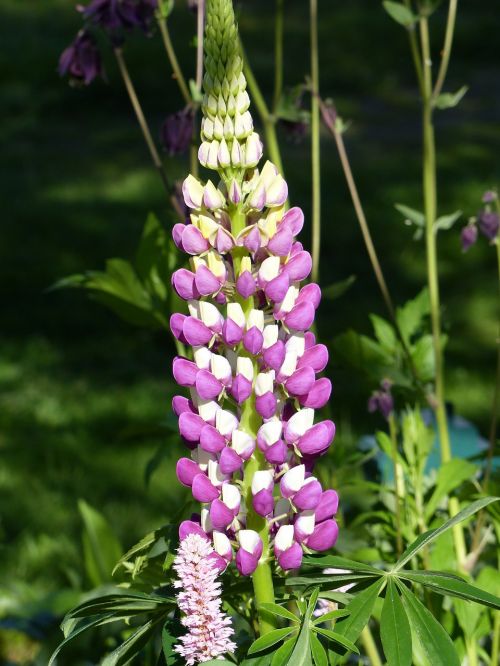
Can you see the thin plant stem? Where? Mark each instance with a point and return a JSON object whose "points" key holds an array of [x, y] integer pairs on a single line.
{"points": [[397, 495], [495, 640], [169, 47], [141, 118], [315, 142], [430, 207], [200, 29], [417, 60], [370, 647], [446, 52], [266, 117], [278, 54]]}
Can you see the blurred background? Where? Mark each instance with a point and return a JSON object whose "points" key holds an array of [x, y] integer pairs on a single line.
{"points": [[83, 396]]}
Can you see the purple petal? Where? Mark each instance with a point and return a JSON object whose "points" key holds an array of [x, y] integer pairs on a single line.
{"points": [[186, 469], [190, 426], [241, 389], [316, 356], [301, 382], [309, 496], [309, 339], [276, 289], [183, 283], [328, 506], [211, 440], [220, 515], [223, 242], [281, 243], [232, 333], [317, 439], [184, 371], [180, 404], [205, 281], [245, 284], [192, 240], [266, 405], [203, 489], [207, 385], [324, 536], [263, 502], [319, 395], [177, 231], [219, 562], [196, 332], [299, 266], [301, 316], [294, 218], [253, 340], [311, 292], [277, 453], [188, 527], [275, 355], [230, 461], [291, 558], [176, 324], [246, 562], [252, 240]]}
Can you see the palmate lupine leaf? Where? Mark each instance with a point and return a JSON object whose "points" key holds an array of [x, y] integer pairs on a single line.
{"points": [[395, 629], [268, 640], [318, 652], [448, 584], [429, 536]]}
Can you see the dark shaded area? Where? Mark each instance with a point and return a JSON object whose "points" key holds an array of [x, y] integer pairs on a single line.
{"points": [[81, 393]]}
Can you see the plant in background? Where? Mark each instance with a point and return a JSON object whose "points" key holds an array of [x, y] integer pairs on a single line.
{"points": [[233, 288]]}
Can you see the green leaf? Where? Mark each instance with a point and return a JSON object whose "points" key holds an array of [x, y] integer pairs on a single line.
{"points": [[282, 655], [273, 637], [395, 629], [333, 581], [384, 333], [337, 638], [124, 604], [336, 562], [410, 317], [300, 655], [429, 536], [360, 609], [318, 651], [364, 354], [133, 645], [101, 548], [166, 534], [332, 615], [411, 215], [276, 609], [449, 100], [422, 356], [451, 475], [338, 289], [79, 627], [448, 584], [434, 640], [446, 222], [400, 13]]}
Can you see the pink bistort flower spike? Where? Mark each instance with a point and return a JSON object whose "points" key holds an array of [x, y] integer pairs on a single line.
{"points": [[209, 629]]}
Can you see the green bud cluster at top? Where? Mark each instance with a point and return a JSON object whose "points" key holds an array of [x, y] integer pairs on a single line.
{"points": [[228, 139]]}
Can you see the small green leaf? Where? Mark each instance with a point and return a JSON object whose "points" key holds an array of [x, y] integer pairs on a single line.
{"points": [[429, 536], [301, 655], [446, 222], [282, 655], [400, 13], [337, 638], [411, 315], [101, 548], [332, 615], [434, 640], [449, 100], [411, 215], [318, 651], [395, 629], [336, 562], [448, 584], [134, 644], [451, 475], [79, 627], [360, 609], [273, 637], [338, 289], [384, 333], [276, 609]]}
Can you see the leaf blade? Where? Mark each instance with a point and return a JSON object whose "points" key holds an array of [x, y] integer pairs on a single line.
{"points": [[395, 629]]}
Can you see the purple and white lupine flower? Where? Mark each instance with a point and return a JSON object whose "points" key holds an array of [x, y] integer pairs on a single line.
{"points": [[250, 422], [209, 629]]}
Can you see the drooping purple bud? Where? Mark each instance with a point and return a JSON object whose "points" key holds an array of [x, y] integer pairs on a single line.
{"points": [[324, 536], [301, 381], [203, 489], [291, 558], [489, 223], [253, 340], [192, 240], [230, 461], [81, 61], [327, 506], [176, 325], [309, 496], [245, 284], [294, 218], [176, 132], [281, 243], [489, 196], [181, 404], [186, 469], [319, 394], [277, 453], [468, 236], [177, 231], [246, 562], [316, 357], [311, 292], [382, 401], [276, 288], [317, 439]]}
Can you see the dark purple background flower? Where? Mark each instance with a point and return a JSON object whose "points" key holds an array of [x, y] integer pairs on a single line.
{"points": [[382, 401], [468, 236], [489, 196], [81, 61], [176, 131], [489, 223], [114, 16]]}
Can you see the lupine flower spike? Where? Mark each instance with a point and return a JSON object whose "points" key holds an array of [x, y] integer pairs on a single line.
{"points": [[249, 424]]}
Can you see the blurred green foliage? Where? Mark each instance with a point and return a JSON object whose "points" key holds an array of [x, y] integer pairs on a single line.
{"points": [[83, 396]]}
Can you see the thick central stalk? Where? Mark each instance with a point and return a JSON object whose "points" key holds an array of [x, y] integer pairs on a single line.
{"points": [[250, 422]]}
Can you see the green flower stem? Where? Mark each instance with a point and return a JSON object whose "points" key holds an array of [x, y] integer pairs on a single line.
{"points": [[495, 641], [417, 60], [393, 430], [141, 118], [430, 206], [370, 647], [446, 52], [250, 422], [315, 143], [169, 47], [278, 54], [268, 120]]}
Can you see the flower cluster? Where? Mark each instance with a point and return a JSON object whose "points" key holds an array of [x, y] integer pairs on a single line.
{"points": [[115, 16], [487, 222], [209, 629], [253, 378]]}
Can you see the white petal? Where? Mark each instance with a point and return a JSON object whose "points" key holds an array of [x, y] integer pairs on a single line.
{"points": [[208, 410], [222, 545], [214, 473], [241, 441], [269, 269], [244, 366], [249, 540], [306, 522], [270, 335], [293, 480], [231, 496], [300, 422], [202, 458], [271, 431], [235, 312], [220, 367], [262, 480], [255, 318], [296, 343], [202, 357], [206, 523], [264, 383], [225, 422], [284, 537]]}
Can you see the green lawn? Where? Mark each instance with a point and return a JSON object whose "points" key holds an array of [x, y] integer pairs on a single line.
{"points": [[82, 395]]}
